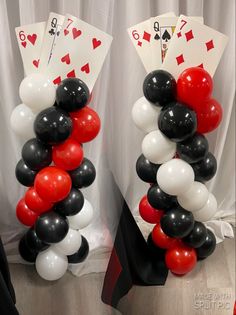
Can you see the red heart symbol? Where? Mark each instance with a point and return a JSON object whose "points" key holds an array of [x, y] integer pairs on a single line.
{"points": [[66, 32], [66, 59], [71, 74], [32, 38], [85, 68], [36, 63], [57, 80], [23, 44], [96, 43], [76, 33]]}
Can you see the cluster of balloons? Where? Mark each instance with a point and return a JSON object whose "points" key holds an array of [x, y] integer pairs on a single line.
{"points": [[53, 167], [176, 162]]}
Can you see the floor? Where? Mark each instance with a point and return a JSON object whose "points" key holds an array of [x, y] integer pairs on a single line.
{"points": [[208, 290]]}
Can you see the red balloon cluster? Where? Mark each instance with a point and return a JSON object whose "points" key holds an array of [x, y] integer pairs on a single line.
{"points": [[194, 88]]}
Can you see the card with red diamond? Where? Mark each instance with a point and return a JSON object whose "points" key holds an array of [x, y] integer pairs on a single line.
{"points": [[143, 39], [194, 44], [80, 52]]}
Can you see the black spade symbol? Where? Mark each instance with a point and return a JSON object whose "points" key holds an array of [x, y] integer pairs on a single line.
{"points": [[166, 36], [156, 37]]}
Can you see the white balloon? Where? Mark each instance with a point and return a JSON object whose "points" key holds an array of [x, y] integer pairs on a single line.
{"points": [[145, 115], [194, 198], [51, 265], [207, 211], [157, 148], [175, 177], [82, 218], [22, 121], [70, 244], [37, 92]]}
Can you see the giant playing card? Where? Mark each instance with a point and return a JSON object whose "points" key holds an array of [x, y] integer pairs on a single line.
{"points": [[80, 52], [194, 44]]}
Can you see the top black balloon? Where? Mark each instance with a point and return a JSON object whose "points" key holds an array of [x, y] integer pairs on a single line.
{"points": [[159, 87], [72, 94]]}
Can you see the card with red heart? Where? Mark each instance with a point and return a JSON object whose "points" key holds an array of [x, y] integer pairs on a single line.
{"points": [[30, 39], [80, 52]]}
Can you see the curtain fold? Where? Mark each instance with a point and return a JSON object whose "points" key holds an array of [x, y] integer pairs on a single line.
{"points": [[118, 146]]}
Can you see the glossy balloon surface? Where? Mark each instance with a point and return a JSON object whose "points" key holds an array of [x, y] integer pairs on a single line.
{"points": [[72, 94], [148, 213], [52, 125], [177, 223], [208, 247], [81, 254], [159, 199], [72, 204], [205, 169], [194, 149], [159, 87], [84, 175], [24, 174], [146, 170], [177, 122], [197, 236]]}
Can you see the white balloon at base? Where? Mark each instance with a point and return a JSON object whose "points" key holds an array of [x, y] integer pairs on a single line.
{"points": [[207, 211], [194, 198], [51, 265], [145, 115], [70, 244], [22, 121], [37, 92], [175, 177], [83, 218], [157, 148]]}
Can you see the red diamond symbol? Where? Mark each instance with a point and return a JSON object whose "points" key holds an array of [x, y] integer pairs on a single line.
{"points": [[180, 59], [209, 45], [200, 66], [139, 43], [189, 35], [146, 36], [179, 34]]}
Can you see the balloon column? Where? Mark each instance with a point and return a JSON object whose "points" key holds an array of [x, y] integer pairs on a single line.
{"points": [[176, 162], [54, 169]]}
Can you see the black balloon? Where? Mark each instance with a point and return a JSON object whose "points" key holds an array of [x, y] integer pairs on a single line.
{"points": [[72, 94], [208, 246], [84, 175], [36, 154], [25, 252], [81, 254], [177, 122], [52, 125], [72, 204], [197, 236], [205, 169], [24, 174], [158, 199], [159, 87], [146, 170], [177, 223], [193, 149], [51, 227], [33, 242]]}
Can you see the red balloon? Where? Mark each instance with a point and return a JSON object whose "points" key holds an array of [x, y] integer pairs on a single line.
{"points": [[194, 85], [35, 203], [209, 116], [181, 259], [162, 240], [52, 184], [86, 124], [148, 213], [68, 155], [24, 214]]}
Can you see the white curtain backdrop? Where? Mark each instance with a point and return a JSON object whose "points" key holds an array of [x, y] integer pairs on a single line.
{"points": [[118, 146]]}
